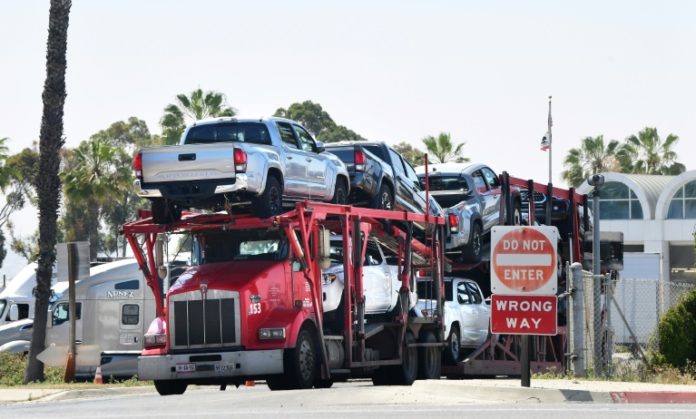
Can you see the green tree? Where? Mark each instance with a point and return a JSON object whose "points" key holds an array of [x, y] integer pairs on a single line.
{"points": [[443, 150], [318, 122], [48, 183], [410, 153], [197, 105], [593, 156], [649, 154]]}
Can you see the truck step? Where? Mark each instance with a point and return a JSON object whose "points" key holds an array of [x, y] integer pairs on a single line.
{"points": [[333, 337]]}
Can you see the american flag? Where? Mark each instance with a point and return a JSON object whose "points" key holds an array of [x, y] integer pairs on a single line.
{"points": [[546, 139]]}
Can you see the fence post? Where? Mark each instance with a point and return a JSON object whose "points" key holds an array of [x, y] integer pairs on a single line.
{"points": [[577, 323], [609, 332]]}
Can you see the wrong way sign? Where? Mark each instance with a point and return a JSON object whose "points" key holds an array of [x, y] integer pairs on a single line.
{"points": [[524, 315], [524, 260]]}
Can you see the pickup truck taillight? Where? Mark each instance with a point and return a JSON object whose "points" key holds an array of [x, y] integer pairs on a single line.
{"points": [[359, 159], [240, 160], [156, 335], [138, 165], [453, 222]]}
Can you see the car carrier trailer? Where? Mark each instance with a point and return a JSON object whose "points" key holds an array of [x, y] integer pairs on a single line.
{"points": [[258, 315], [500, 355]]}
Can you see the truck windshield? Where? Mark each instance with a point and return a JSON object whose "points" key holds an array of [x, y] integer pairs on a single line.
{"points": [[236, 245], [237, 132], [3, 303]]}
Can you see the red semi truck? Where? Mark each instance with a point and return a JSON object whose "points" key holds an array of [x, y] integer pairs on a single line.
{"points": [[250, 305]]}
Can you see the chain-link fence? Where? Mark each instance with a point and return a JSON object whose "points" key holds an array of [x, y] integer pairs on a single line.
{"points": [[614, 321]]}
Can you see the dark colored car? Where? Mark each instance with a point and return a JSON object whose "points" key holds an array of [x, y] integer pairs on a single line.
{"points": [[381, 178]]}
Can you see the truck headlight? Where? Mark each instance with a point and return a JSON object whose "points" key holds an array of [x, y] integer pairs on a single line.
{"points": [[269, 333], [156, 335]]}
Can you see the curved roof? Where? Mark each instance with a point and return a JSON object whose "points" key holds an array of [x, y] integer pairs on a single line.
{"points": [[662, 206], [647, 188]]}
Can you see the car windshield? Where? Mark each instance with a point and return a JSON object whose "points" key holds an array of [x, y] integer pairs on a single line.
{"points": [[213, 247], [237, 132], [447, 190], [3, 303]]}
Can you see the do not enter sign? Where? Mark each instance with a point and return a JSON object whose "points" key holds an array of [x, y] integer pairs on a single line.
{"points": [[524, 260]]}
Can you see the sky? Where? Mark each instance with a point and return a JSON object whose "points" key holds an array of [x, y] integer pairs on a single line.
{"points": [[389, 70]]}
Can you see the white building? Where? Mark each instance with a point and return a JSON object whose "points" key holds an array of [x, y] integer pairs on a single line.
{"points": [[657, 214]]}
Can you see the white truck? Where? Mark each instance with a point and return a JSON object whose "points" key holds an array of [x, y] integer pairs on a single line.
{"points": [[17, 299], [467, 314], [226, 162]]}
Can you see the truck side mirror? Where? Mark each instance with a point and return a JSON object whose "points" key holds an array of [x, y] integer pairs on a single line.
{"points": [[49, 323], [324, 248], [14, 313]]}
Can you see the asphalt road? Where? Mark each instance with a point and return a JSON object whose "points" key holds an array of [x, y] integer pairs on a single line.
{"points": [[351, 400]]}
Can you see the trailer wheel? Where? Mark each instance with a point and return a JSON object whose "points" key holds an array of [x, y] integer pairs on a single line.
{"points": [[170, 387], [429, 358], [384, 199], [404, 374], [164, 211], [300, 365], [341, 193], [453, 350], [270, 202]]}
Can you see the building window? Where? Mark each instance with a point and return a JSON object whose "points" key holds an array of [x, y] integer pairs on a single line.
{"points": [[618, 202], [683, 204]]}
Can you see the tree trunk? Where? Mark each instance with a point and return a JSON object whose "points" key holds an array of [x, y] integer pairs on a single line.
{"points": [[93, 228], [48, 182]]}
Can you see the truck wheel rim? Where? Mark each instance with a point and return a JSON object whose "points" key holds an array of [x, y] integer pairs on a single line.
{"points": [[274, 199], [386, 201]]}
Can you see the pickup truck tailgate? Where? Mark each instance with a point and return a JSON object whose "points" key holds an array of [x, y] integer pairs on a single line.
{"points": [[188, 162]]}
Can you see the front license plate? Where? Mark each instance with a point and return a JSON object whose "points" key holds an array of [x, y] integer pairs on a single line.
{"points": [[185, 367]]}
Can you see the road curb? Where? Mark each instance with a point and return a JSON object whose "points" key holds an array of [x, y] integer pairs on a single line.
{"points": [[97, 392], [653, 397]]}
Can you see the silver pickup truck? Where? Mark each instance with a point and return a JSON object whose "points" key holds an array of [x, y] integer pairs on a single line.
{"points": [[226, 162]]}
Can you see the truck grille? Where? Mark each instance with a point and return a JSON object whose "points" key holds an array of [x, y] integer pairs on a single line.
{"points": [[202, 323]]}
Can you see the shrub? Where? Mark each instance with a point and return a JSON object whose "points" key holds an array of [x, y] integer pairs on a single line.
{"points": [[676, 333], [12, 366]]}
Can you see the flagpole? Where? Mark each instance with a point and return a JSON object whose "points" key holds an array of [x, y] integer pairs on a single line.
{"points": [[550, 142]]}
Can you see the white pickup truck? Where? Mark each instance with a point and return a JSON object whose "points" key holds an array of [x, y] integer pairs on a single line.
{"points": [[226, 162], [381, 282], [467, 314]]}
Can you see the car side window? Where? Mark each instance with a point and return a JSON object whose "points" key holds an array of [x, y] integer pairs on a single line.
{"points": [[287, 135], [130, 314], [491, 178], [61, 313], [411, 173], [306, 141], [463, 294], [372, 255], [479, 182], [397, 164], [475, 293]]}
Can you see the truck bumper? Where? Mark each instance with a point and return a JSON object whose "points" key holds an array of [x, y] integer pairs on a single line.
{"points": [[211, 365], [241, 183]]}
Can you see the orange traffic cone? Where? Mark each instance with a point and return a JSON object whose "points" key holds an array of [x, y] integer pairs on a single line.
{"points": [[249, 383], [98, 376]]}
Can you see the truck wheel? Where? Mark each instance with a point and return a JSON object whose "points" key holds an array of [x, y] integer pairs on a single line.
{"points": [[453, 348], [301, 362], [164, 211], [472, 252], [169, 387], [384, 199], [270, 202], [340, 193], [429, 358]]}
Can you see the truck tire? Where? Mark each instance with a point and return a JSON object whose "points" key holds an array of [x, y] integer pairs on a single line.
{"points": [[340, 193], [170, 387], [429, 358], [453, 348], [384, 199], [300, 365], [472, 251], [164, 211], [399, 375], [270, 202]]}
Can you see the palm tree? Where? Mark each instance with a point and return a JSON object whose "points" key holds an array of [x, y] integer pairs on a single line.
{"points": [[93, 179], [197, 105], [650, 155], [48, 183], [442, 149], [593, 157]]}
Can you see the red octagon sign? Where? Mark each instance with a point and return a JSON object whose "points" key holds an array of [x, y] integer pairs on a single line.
{"points": [[524, 260]]}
